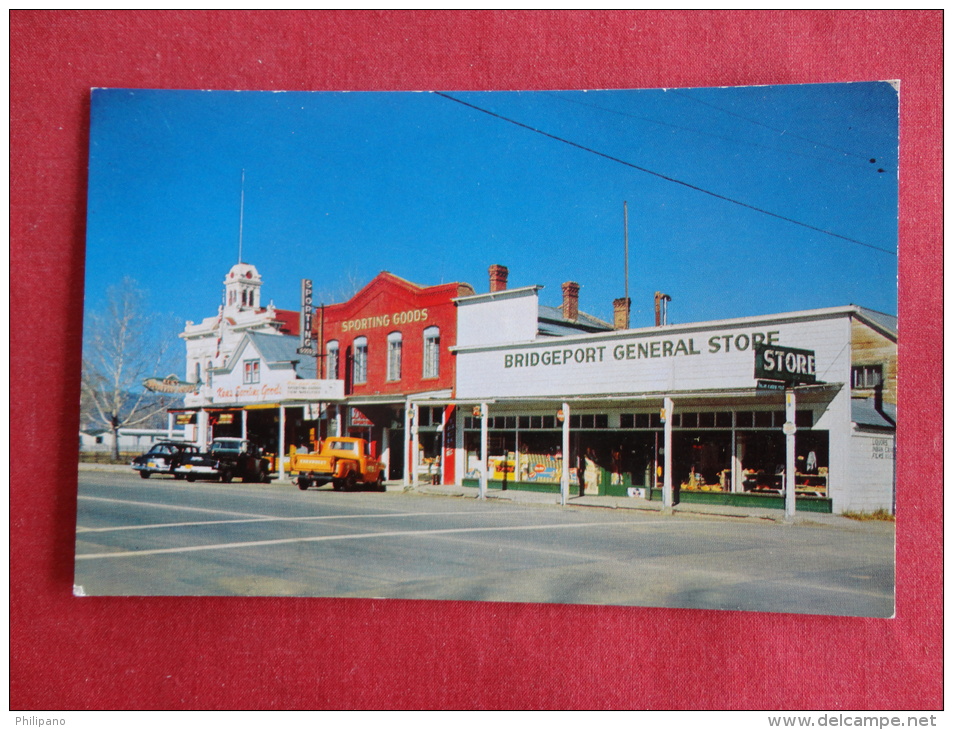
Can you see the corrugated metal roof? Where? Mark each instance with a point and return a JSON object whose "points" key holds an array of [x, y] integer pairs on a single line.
{"points": [[551, 322], [885, 321], [864, 412]]}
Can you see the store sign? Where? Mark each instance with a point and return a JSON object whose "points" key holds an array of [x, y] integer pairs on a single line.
{"points": [[772, 385], [184, 419], [408, 316], [313, 390], [307, 313], [639, 350], [359, 419], [785, 364], [310, 390]]}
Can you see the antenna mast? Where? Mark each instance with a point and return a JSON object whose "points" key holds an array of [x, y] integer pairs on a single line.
{"points": [[241, 217]]}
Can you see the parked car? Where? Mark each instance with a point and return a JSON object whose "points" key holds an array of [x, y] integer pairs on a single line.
{"points": [[164, 458], [227, 459], [345, 462]]}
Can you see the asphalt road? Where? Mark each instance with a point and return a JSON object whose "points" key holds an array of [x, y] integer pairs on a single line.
{"points": [[165, 537]]}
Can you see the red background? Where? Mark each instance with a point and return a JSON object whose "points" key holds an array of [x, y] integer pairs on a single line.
{"points": [[236, 653]]}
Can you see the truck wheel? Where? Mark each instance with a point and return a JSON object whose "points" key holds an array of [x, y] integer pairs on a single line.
{"points": [[350, 482], [303, 484], [226, 477], [381, 487], [336, 484]]}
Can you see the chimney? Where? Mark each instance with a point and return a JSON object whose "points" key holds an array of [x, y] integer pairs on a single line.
{"points": [[661, 308], [620, 313], [498, 275], [571, 301]]}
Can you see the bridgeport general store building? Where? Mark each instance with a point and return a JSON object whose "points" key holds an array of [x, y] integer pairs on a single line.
{"points": [[610, 397]]}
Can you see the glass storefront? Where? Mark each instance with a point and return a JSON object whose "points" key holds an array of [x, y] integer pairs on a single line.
{"points": [[613, 452]]}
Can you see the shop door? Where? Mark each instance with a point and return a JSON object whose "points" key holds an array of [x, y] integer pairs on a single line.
{"points": [[397, 449]]}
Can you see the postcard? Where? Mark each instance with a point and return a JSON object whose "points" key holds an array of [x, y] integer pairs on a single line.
{"points": [[613, 347]]}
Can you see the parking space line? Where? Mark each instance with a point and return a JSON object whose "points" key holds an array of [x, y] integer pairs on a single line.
{"points": [[363, 536], [159, 525], [169, 506]]}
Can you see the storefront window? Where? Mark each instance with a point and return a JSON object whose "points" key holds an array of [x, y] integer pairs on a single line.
{"points": [[360, 360], [332, 359], [432, 352], [394, 352]]}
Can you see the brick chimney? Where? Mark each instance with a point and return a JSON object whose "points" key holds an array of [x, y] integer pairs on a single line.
{"points": [[498, 276], [620, 313], [571, 301]]}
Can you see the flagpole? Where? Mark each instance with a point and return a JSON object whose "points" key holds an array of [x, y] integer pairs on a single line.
{"points": [[241, 217]]}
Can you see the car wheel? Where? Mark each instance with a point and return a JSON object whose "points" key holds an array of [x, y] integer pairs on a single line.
{"points": [[179, 476], [190, 477], [144, 474], [226, 477]]}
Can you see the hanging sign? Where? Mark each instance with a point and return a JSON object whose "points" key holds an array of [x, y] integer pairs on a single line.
{"points": [[170, 384], [307, 312], [359, 419], [785, 364]]}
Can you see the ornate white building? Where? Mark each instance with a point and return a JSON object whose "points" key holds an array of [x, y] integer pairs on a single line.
{"points": [[209, 343], [246, 363]]}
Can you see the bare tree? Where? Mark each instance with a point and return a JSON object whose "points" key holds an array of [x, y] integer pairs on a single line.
{"points": [[122, 345]]}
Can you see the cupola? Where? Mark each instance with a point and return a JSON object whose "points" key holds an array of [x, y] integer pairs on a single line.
{"points": [[242, 288]]}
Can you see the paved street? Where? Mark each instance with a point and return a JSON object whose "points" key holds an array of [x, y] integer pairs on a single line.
{"points": [[165, 537]]}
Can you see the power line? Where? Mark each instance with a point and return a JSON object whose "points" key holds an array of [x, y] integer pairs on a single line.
{"points": [[767, 126], [704, 133], [665, 177]]}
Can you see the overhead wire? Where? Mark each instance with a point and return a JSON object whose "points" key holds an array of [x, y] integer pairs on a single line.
{"points": [[784, 132], [662, 176], [669, 125]]}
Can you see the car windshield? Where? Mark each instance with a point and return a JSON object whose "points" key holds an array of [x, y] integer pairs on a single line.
{"points": [[231, 447]]}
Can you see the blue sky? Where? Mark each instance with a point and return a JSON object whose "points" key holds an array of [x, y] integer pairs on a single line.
{"points": [[340, 186]]}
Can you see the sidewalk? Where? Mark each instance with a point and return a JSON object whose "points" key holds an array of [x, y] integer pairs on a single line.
{"points": [[518, 496]]}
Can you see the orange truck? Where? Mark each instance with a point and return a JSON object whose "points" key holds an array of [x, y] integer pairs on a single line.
{"points": [[345, 462]]}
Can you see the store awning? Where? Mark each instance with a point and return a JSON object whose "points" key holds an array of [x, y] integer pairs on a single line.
{"points": [[806, 394]]}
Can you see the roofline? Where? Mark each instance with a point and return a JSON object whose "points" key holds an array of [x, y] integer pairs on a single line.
{"points": [[886, 331], [671, 329], [501, 294]]}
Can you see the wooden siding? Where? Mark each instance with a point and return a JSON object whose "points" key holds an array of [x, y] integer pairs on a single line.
{"points": [[871, 347]]}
